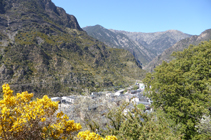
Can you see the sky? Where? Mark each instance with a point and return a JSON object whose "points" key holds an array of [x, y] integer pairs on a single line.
{"points": [[188, 16]]}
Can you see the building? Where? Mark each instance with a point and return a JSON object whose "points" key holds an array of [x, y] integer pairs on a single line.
{"points": [[141, 86]]}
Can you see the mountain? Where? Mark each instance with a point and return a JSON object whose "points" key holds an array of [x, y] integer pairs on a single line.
{"points": [[119, 40], [179, 46], [44, 50], [144, 46], [157, 42]]}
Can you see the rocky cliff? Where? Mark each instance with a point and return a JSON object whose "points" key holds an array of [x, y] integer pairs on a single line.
{"points": [[144, 46], [179, 46], [157, 42], [119, 40], [44, 50]]}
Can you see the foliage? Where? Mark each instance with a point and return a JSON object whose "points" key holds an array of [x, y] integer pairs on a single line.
{"points": [[135, 87], [141, 106], [132, 124], [21, 118], [182, 87], [25, 119]]}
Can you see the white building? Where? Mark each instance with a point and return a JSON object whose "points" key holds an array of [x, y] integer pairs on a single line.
{"points": [[135, 100], [119, 92], [141, 86], [67, 99]]}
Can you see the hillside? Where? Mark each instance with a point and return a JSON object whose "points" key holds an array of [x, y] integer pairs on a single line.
{"points": [[157, 42], [120, 40], [179, 46], [43, 50], [144, 46]]}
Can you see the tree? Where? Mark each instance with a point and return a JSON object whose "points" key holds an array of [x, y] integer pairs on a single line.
{"points": [[182, 87]]}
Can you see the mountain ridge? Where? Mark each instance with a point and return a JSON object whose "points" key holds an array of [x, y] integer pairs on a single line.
{"points": [[179, 46], [119, 40], [157, 41], [43, 50], [144, 46]]}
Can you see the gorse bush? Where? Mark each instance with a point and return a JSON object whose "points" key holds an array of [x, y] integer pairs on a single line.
{"points": [[21, 118], [87, 135]]}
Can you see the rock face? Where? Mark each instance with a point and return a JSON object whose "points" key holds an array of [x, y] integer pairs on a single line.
{"points": [[179, 46], [157, 42], [43, 50], [116, 39], [19, 12], [144, 46]]}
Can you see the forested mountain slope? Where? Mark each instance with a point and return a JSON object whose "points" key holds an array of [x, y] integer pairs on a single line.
{"points": [[43, 50]]}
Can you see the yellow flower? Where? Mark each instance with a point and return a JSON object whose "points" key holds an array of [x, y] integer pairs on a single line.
{"points": [[43, 119], [59, 115], [44, 129], [86, 135], [19, 114]]}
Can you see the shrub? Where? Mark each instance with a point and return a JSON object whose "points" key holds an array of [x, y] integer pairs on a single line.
{"points": [[141, 106], [129, 123], [21, 118]]}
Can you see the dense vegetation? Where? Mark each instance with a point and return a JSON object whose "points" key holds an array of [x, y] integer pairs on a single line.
{"points": [[182, 89], [130, 123]]}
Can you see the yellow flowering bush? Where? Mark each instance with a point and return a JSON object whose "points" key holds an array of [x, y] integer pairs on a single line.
{"points": [[87, 135], [21, 118]]}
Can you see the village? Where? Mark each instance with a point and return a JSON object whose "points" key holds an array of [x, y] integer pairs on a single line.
{"points": [[98, 104]]}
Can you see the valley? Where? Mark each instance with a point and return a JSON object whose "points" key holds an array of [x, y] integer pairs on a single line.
{"points": [[62, 81]]}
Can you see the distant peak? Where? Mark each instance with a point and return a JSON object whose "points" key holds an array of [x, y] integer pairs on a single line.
{"points": [[172, 30], [99, 26]]}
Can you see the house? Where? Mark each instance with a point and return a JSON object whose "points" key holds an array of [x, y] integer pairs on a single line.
{"points": [[135, 99], [68, 100], [119, 92], [108, 95], [141, 86], [56, 99], [98, 94]]}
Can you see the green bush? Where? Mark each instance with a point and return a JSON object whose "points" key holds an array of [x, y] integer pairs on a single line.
{"points": [[141, 106]]}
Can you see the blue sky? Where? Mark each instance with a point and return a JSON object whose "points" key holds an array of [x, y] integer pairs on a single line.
{"points": [[188, 16]]}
